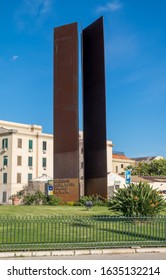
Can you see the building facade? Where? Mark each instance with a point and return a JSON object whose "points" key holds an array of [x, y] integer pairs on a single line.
{"points": [[26, 153], [120, 162]]}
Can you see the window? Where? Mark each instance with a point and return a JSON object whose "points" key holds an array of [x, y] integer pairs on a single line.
{"points": [[116, 169], [5, 161], [4, 197], [4, 178], [5, 143], [122, 165], [44, 145], [30, 145], [29, 177], [30, 161], [19, 143], [116, 188], [82, 150], [19, 160], [44, 162], [82, 165], [18, 178]]}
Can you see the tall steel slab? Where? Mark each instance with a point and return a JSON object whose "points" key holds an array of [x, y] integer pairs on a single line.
{"points": [[66, 149], [94, 109]]}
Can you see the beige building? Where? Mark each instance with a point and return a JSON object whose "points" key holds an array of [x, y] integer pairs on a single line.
{"points": [[26, 153], [120, 162]]}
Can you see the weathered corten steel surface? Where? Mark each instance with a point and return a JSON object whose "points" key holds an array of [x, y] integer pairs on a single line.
{"points": [[94, 109], [66, 149]]}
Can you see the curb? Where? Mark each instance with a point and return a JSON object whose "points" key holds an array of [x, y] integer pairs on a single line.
{"points": [[136, 250], [151, 250]]}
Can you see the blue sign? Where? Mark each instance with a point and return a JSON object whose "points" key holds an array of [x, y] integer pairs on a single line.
{"points": [[50, 190], [128, 176]]}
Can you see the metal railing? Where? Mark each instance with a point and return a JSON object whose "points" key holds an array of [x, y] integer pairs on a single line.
{"points": [[75, 232]]}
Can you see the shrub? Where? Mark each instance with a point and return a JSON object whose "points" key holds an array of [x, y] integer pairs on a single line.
{"points": [[137, 200], [28, 199], [96, 199], [53, 200], [77, 203], [84, 199], [70, 203], [39, 198]]}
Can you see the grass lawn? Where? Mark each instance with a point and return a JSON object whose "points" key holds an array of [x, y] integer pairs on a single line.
{"points": [[42, 228], [10, 210], [20, 231], [63, 210]]}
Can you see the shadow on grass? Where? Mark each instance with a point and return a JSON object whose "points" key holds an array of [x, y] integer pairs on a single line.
{"points": [[123, 228]]}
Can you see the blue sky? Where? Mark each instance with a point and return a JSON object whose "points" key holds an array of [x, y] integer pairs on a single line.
{"points": [[135, 62]]}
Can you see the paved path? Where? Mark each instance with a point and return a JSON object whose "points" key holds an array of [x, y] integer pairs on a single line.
{"points": [[136, 256]]}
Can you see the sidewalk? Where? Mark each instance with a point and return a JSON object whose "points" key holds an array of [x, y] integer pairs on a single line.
{"points": [[132, 250]]}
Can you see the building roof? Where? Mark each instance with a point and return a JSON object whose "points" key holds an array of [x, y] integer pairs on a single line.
{"points": [[20, 126], [3, 130], [155, 178], [148, 179], [137, 179], [121, 157], [149, 158]]}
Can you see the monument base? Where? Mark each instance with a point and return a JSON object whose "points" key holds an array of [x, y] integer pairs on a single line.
{"points": [[66, 188], [96, 186]]}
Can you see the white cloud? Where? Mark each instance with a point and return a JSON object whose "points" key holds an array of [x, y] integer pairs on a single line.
{"points": [[109, 7], [14, 57], [38, 8], [32, 13]]}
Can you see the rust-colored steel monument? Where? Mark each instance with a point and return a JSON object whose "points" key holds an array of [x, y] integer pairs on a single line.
{"points": [[94, 110], [66, 146]]}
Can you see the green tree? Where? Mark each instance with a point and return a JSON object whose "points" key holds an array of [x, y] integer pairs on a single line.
{"points": [[154, 168], [137, 200]]}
